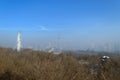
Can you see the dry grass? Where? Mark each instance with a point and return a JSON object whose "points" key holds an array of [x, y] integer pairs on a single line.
{"points": [[35, 65]]}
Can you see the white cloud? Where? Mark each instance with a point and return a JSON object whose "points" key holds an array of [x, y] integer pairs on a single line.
{"points": [[43, 28], [38, 28]]}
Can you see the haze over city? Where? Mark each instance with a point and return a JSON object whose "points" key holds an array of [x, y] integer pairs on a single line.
{"points": [[71, 24]]}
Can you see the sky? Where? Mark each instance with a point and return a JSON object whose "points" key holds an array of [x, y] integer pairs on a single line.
{"points": [[69, 24]]}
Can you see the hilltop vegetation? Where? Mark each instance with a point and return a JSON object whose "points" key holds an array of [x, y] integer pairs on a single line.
{"points": [[36, 65]]}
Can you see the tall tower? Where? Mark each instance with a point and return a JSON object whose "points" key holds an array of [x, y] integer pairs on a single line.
{"points": [[19, 42]]}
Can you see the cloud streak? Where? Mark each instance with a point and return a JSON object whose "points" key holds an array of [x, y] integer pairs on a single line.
{"points": [[36, 28], [43, 28], [40, 28]]}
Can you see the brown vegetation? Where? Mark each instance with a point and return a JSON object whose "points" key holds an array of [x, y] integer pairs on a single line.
{"points": [[35, 65]]}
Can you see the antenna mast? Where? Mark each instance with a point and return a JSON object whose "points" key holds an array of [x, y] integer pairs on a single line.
{"points": [[19, 42]]}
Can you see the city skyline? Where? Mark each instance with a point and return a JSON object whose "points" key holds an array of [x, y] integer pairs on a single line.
{"points": [[81, 24]]}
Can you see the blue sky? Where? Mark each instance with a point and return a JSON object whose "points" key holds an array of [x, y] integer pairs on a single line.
{"points": [[79, 23]]}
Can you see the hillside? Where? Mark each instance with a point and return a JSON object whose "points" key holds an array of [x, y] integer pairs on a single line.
{"points": [[37, 65]]}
